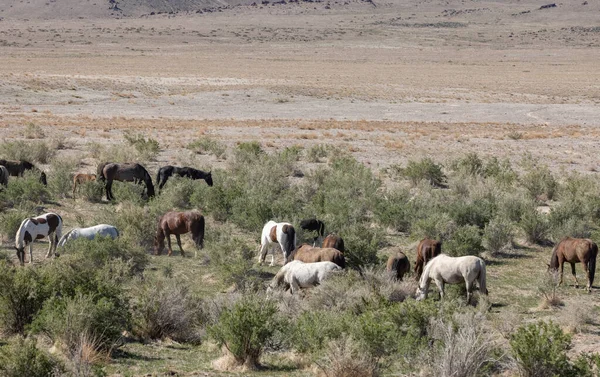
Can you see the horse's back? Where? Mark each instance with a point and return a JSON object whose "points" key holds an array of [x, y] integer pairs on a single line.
{"points": [[576, 249], [334, 241]]}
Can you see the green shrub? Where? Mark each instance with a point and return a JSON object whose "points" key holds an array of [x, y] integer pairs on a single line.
{"points": [[60, 177], [27, 189], [177, 193], [539, 181], [513, 206], [22, 294], [534, 225], [20, 357], [32, 151], [10, 221], [362, 244], [317, 152], [208, 145], [91, 191], [395, 210], [233, 259], [466, 240], [251, 148], [437, 226], [33, 131], [314, 328], [147, 148], [470, 164], [476, 212], [497, 235], [425, 170], [136, 224], [292, 153], [129, 192], [246, 328], [540, 349]]}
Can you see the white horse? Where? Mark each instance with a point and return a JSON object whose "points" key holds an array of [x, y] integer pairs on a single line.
{"points": [[47, 225], [302, 275], [274, 233], [90, 233], [445, 269]]}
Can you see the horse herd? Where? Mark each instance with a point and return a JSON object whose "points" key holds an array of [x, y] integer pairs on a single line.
{"points": [[304, 265]]}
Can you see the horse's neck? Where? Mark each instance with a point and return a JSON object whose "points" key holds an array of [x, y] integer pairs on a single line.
{"points": [[20, 237], [424, 281]]}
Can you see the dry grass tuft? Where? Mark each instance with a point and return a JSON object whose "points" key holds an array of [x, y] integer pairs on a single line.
{"points": [[344, 358]]}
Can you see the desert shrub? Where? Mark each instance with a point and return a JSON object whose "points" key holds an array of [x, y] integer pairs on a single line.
{"points": [[470, 164], [501, 172], [314, 328], [10, 221], [136, 224], [177, 192], [534, 225], [33, 131], [20, 357], [476, 212], [465, 240], [316, 153], [497, 235], [165, 308], [251, 148], [113, 153], [467, 348], [568, 218], [513, 206], [32, 151], [26, 189], [65, 319], [292, 153], [362, 244], [345, 357], [91, 191], [233, 259], [425, 170], [538, 180], [129, 192], [245, 328], [60, 177], [437, 226], [22, 294], [147, 148], [540, 349], [208, 145], [215, 200], [395, 210]]}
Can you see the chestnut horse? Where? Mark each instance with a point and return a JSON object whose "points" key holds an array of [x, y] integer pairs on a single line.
{"points": [[178, 223], [308, 254], [426, 250], [81, 178], [127, 172], [398, 265], [573, 250], [335, 241], [17, 168]]}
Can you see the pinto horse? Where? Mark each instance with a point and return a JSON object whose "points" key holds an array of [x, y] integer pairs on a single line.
{"points": [[444, 269], [17, 168], [335, 241], [573, 250], [274, 233], [178, 223], [4, 175], [398, 265], [47, 225], [308, 254], [81, 178], [127, 172], [426, 250], [314, 225], [166, 172], [297, 274]]}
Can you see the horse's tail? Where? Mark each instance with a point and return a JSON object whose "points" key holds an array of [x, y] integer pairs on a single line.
{"points": [[592, 263], [148, 181], [288, 240], [100, 171], [482, 279]]}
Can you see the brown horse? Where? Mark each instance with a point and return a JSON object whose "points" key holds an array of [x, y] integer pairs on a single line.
{"points": [[308, 254], [398, 264], [335, 241], [178, 223], [128, 172], [17, 168], [426, 250], [573, 250], [81, 178]]}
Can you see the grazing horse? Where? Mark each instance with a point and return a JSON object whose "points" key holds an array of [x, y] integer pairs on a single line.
{"points": [[166, 172], [274, 233], [426, 250], [128, 172], [298, 275], [81, 178], [398, 265], [314, 225], [47, 225], [4, 175], [178, 223], [103, 230], [445, 269], [335, 241], [573, 250], [17, 168], [308, 254]]}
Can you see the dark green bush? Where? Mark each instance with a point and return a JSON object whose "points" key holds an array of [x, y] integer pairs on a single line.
{"points": [[313, 329], [425, 170], [540, 349], [248, 148], [20, 357], [395, 210], [245, 328], [470, 164], [465, 240], [362, 244], [476, 212]]}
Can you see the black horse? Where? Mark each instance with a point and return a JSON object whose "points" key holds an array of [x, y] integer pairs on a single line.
{"points": [[17, 168], [314, 225], [166, 172]]}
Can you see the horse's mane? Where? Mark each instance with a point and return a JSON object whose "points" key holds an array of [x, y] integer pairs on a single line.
{"points": [[425, 275]]}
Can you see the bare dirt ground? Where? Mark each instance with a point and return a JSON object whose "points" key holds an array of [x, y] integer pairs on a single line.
{"points": [[389, 81]]}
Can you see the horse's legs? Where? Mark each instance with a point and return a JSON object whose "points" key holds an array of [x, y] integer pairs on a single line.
{"points": [[262, 253], [51, 239], [587, 275], [574, 276], [562, 270], [273, 257], [109, 195], [469, 290], [294, 285], [74, 186], [178, 237], [30, 253], [440, 285], [168, 236]]}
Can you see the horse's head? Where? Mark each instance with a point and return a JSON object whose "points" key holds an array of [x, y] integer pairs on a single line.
{"points": [[208, 179], [21, 255], [421, 294], [159, 243], [43, 179]]}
